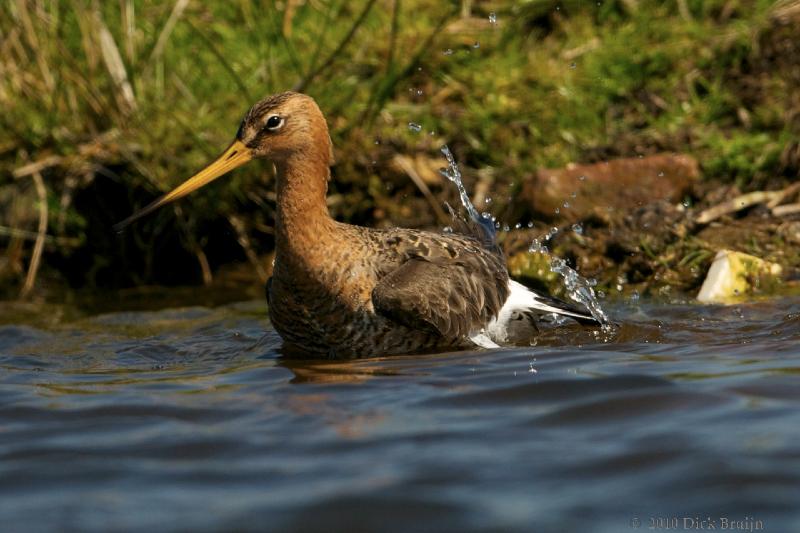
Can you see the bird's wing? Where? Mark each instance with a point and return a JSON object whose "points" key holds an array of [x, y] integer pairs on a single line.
{"points": [[452, 294]]}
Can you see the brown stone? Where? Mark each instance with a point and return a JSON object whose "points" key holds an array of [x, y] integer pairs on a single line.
{"points": [[618, 185]]}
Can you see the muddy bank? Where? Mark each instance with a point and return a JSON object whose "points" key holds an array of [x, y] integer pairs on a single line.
{"points": [[650, 225], [711, 91]]}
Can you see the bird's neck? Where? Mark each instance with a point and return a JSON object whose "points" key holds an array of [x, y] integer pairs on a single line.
{"points": [[303, 222]]}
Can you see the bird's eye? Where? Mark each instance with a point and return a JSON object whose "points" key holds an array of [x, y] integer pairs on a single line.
{"points": [[274, 122]]}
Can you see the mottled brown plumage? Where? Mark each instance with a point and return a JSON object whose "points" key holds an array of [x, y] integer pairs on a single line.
{"points": [[347, 291]]}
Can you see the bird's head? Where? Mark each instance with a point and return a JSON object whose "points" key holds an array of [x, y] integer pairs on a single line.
{"points": [[278, 128]]}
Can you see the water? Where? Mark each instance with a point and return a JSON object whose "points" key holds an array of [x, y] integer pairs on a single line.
{"points": [[578, 289], [189, 420], [485, 221], [453, 174]]}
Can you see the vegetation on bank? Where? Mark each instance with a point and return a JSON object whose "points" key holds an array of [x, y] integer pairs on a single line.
{"points": [[107, 104]]}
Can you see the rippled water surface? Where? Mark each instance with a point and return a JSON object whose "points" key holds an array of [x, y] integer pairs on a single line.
{"points": [[188, 419]]}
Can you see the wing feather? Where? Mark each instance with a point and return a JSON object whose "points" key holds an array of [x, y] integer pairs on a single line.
{"points": [[452, 294]]}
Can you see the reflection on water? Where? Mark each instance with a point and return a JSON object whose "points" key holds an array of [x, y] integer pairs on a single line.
{"points": [[188, 419]]}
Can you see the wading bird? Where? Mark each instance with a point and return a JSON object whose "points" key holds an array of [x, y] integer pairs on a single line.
{"points": [[344, 291]]}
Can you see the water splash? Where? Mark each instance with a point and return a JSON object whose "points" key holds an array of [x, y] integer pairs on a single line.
{"points": [[453, 174], [539, 246], [579, 289]]}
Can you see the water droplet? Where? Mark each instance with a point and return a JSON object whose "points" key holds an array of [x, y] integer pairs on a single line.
{"points": [[577, 228], [530, 224], [518, 225], [572, 65], [476, 44], [635, 297], [565, 205], [557, 210], [487, 200], [448, 52], [420, 92], [447, 229], [377, 141], [493, 18], [661, 174], [431, 133], [537, 247], [506, 228], [573, 194], [582, 178], [687, 203], [413, 126]]}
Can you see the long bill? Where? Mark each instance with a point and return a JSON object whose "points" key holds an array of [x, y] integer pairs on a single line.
{"points": [[235, 156]]}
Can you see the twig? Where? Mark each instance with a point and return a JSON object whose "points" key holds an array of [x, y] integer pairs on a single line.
{"points": [[788, 209], [574, 53], [166, 31], [205, 268], [288, 16], [38, 247], [17, 233], [244, 241], [784, 194], [302, 84], [737, 204], [37, 166], [115, 65], [683, 9], [404, 163]]}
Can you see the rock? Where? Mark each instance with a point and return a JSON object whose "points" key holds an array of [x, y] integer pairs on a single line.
{"points": [[734, 274], [619, 184]]}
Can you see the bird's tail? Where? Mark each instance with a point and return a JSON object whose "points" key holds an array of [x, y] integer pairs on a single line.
{"points": [[517, 318]]}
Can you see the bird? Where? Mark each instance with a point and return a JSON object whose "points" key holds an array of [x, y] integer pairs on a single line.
{"points": [[343, 291]]}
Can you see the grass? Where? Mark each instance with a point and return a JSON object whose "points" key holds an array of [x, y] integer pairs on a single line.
{"points": [[119, 101]]}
